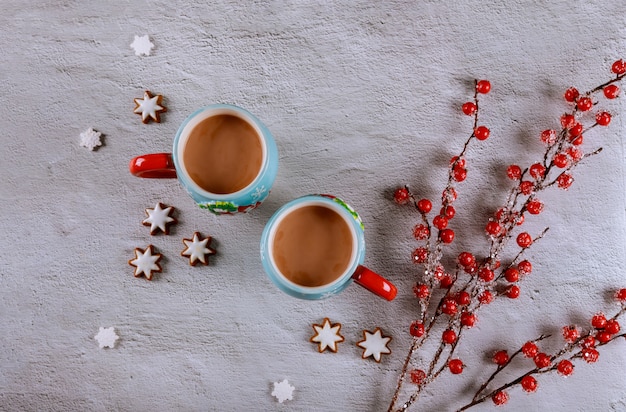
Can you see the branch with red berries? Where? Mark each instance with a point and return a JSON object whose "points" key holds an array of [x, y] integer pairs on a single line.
{"points": [[450, 298]]}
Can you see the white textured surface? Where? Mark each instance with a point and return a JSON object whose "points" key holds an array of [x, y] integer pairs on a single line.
{"points": [[361, 99]]}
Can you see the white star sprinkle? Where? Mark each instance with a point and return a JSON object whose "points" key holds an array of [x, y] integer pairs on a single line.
{"points": [[375, 344], [149, 107], [283, 391], [106, 337], [197, 249], [142, 45], [146, 262], [327, 336], [90, 139], [159, 218]]}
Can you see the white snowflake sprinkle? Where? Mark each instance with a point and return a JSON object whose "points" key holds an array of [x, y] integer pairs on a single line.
{"points": [[106, 337], [283, 391], [90, 139], [142, 45]]}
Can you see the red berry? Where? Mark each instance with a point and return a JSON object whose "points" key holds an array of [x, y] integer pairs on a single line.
{"points": [[542, 360], [469, 108], [486, 275], [548, 137], [534, 207], [466, 259], [524, 240], [456, 366], [618, 67], [448, 337], [449, 194], [564, 181], [449, 211], [500, 398], [417, 376], [514, 172], [588, 342], [449, 307], [457, 161], [529, 384], [424, 205], [537, 170], [459, 174], [526, 187], [578, 140], [463, 298], [603, 118], [486, 297], [575, 130], [421, 232], [501, 357], [513, 292], [560, 160], [493, 228], [511, 274], [598, 321], [468, 319], [420, 255], [446, 282], [440, 222], [571, 333], [421, 291], [483, 86], [611, 91], [416, 329], [446, 235], [574, 153], [525, 267], [584, 104], [530, 349], [565, 367], [567, 120], [621, 295], [571, 94], [401, 196], [590, 355], [603, 336], [612, 326], [481, 132]]}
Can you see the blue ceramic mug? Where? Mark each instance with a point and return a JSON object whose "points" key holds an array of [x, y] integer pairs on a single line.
{"points": [[313, 247], [223, 156]]}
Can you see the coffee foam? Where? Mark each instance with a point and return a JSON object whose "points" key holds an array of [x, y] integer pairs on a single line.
{"points": [[338, 277], [184, 134]]}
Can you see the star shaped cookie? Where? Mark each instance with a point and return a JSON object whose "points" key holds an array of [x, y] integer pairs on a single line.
{"points": [[149, 107], [146, 262], [197, 249], [327, 336], [374, 344], [160, 218]]}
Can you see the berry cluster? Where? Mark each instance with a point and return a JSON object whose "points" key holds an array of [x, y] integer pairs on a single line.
{"points": [[577, 345], [477, 279]]}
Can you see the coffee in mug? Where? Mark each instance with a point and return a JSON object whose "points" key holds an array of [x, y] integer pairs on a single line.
{"points": [[223, 154], [313, 246]]}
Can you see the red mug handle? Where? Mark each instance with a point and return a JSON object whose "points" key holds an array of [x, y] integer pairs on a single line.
{"points": [[154, 166], [374, 283]]}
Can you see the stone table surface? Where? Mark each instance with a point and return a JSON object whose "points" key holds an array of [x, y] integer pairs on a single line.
{"points": [[362, 97]]}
